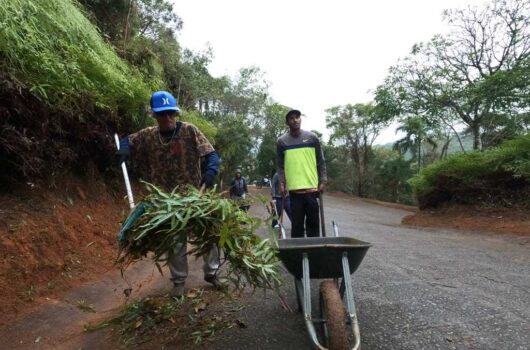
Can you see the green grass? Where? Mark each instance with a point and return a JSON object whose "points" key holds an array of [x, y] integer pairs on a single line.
{"points": [[52, 49], [469, 169]]}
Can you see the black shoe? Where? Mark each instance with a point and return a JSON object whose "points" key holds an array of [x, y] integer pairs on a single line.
{"points": [[177, 291], [214, 281]]}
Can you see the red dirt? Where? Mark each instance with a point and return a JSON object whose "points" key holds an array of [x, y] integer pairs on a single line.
{"points": [[500, 220], [54, 238]]}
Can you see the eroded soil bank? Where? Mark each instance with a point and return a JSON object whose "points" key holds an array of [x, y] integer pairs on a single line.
{"points": [[500, 220], [54, 237]]}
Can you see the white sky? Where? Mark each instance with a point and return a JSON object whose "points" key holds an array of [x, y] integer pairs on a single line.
{"points": [[316, 54]]}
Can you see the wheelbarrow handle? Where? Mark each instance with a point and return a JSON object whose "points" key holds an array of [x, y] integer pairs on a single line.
{"points": [[281, 229], [322, 220]]}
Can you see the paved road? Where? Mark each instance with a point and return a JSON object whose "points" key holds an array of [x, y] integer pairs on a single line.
{"points": [[417, 288]]}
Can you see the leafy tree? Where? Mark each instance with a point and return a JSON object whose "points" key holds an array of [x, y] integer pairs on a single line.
{"points": [[417, 132], [356, 126], [339, 167], [390, 174], [234, 143], [273, 127], [156, 17], [499, 128], [194, 85], [478, 70], [122, 20], [245, 94], [109, 15]]}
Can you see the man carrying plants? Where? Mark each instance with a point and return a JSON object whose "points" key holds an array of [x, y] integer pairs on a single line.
{"points": [[169, 155], [301, 169]]}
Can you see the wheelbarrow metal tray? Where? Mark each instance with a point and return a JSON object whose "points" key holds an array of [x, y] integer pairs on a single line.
{"points": [[324, 253]]}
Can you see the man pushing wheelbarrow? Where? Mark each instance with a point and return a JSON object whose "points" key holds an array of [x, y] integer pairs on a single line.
{"points": [[309, 254], [301, 169]]}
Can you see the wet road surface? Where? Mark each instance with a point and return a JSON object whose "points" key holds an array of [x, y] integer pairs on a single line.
{"points": [[417, 288]]}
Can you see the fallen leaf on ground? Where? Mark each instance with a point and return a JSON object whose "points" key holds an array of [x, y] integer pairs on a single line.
{"points": [[200, 307], [192, 293]]}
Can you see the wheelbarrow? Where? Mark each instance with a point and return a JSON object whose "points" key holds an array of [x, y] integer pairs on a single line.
{"points": [[334, 259]]}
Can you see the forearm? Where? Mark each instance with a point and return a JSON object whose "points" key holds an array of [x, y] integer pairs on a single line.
{"points": [[321, 164], [212, 162], [280, 164]]}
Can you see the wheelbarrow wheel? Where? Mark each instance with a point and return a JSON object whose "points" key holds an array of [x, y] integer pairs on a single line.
{"points": [[334, 329]]}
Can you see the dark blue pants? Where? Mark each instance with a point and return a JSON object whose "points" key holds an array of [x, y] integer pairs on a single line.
{"points": [[304, 210], [286, 205]]}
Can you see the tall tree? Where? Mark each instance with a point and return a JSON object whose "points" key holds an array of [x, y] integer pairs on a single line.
{"points": [[356, 126], [234, 143], [478, 69], [417, 132], [273, 126]]}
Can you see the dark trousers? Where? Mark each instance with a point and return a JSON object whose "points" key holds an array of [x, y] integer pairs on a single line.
{"points": [[304, 209], [282, 204]]}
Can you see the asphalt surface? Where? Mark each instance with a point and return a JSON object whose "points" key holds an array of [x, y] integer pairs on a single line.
{"points": [[417, 288]]}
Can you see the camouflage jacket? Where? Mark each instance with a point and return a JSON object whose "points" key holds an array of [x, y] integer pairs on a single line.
{"points": [[168, 162]]}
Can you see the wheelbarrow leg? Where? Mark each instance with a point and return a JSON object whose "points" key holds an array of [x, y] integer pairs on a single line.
{"points": [[350, 302], [307, 303]]}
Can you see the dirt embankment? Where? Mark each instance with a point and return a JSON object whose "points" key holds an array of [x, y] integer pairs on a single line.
{"points": [[53, 237], [500, 220]]}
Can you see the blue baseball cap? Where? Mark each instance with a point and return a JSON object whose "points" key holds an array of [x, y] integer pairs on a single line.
{"points": [[163, 101]]}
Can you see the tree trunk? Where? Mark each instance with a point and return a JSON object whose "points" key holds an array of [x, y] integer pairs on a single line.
{"points": [[357, 164], [126, 27], [477, 140], [364, 165], [394, 192], [419, 155], [459, 139], [445, 148]]}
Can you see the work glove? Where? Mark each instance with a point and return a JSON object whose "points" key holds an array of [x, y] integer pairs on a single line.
{"points": [[124, 152], [208, 179]]}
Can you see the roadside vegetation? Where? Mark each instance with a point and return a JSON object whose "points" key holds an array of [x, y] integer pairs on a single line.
{"points": [[73, 73], [498, 176]]}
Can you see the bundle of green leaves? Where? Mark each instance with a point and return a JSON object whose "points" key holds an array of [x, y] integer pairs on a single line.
{"points": [[203, 219]]}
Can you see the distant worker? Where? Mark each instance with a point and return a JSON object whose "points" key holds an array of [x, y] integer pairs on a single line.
{"points": [[266, 181], [301, 169], [169, 155], [238, 189], [280, 202]]}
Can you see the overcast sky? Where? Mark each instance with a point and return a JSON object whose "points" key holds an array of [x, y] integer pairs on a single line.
{"points": [[316, 54]]}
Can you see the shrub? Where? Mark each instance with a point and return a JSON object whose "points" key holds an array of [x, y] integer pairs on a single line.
{"points": [[462, 177]]}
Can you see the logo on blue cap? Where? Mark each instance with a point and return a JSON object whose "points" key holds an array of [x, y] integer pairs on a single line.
{"points": [[163, 101]]}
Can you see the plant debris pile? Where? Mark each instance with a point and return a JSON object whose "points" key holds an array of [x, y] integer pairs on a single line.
{"points": [[162, 220], [193, 318]]}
